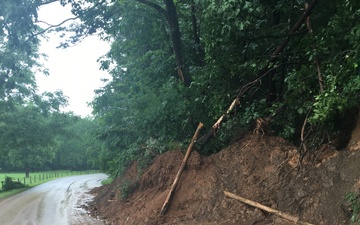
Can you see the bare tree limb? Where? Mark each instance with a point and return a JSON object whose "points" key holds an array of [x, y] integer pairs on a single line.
{"points": [[50, 26], [292, 218], [292, 31], [49, 2]]}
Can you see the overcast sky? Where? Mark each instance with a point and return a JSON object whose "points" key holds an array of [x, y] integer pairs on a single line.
{"points": [[73, 70]]}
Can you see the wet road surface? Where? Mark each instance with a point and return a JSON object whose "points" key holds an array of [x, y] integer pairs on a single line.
{"points": [[56, 202]]}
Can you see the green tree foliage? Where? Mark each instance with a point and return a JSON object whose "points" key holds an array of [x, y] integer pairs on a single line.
{"points": [[354, 204], [19, 42], [27, 138], [225, 45], [34, 134], [74, 144], [31, 139], [340, 62], [176, 63]]}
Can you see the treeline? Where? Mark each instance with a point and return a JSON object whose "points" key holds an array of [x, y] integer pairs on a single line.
{"points": [[33, 138], [176, 63]]}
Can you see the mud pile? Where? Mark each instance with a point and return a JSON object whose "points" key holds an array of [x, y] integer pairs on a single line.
{"points": [[260, 168]]}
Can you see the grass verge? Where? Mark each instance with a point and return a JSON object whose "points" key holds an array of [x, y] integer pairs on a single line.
{"points": [[107, 181]]}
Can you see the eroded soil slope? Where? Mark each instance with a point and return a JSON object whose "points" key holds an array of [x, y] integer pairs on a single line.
{"points": [[260, 168]]}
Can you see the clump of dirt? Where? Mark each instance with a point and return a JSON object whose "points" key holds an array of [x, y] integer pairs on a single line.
{"points": [[258, 167]]}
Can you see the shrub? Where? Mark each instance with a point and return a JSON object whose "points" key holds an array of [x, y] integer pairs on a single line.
{"points": [[10, 184], [127, 188], [353, 199]]}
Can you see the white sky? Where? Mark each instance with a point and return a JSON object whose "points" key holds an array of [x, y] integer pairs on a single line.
{"points": [[73, 70]]}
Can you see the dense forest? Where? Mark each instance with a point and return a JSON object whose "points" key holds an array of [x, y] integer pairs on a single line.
{"points": [[292, 67]]}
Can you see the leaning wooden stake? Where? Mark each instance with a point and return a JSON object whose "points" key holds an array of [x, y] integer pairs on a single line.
{"points": [[182, 166], [287, 216]]}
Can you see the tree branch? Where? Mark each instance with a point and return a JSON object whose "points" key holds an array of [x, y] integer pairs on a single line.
{"points": [[49, 2], [297, 25], [316, 60], [50, 26], [154, 6]]}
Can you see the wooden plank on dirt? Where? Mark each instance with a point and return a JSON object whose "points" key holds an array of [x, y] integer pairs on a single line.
{"points": [[294, 219]]}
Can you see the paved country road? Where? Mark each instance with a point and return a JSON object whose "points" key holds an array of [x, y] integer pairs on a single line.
{"points": [[56, 202]]}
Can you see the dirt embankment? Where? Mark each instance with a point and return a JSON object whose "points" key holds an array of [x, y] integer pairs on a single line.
{"points": [[260, 168]]}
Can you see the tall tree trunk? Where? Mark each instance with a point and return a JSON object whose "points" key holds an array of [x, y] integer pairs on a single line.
{"points": [[196, 34], [173, 21], [27, 171]]}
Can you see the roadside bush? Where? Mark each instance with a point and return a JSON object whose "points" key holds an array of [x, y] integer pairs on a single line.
{"points": [[127, 188], [10, 184], [353, 199]]}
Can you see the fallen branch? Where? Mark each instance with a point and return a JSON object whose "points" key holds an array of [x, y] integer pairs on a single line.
{"points": [[218, 123], [213, 130], [294, 219], [182, 166]]}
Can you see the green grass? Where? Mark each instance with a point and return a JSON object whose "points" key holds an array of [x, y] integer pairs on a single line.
{"points": [[107, 181], [36, 178]]}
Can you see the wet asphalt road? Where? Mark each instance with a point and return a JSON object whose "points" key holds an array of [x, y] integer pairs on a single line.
{"points": [[56, 202]]}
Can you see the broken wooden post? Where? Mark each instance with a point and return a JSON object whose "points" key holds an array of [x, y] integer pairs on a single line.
{"points": [[294, 219], [206, 138], [182, 166]]}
